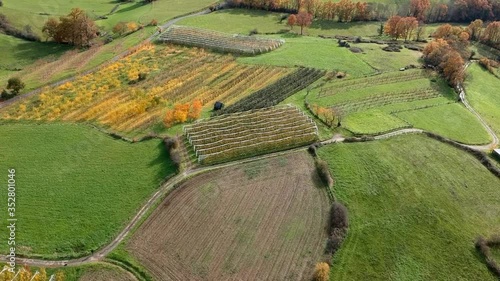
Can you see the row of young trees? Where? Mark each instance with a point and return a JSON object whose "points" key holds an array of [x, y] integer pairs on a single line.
{"points": [[348, 10]]}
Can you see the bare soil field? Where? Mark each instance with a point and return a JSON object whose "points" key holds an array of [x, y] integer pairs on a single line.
{"points": [[107, 274], [264, 220]]}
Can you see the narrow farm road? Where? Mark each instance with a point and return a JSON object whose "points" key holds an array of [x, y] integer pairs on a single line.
{"points": [[114, 59], [490, 131]]}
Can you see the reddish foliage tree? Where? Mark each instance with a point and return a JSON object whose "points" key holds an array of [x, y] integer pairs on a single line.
{"points": [[292, 20], [475, 29], [345, 10], [491, 34], [76, 28], [304, 19], [452, 66], [398, 27], [418, 8]]}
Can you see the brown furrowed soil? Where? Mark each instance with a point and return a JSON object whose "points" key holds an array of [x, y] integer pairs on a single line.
{"points": [[107, 274], [264, 220]]}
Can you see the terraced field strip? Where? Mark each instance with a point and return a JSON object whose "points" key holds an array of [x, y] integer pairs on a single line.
{"points": [[354, 84], [114, 98], [250, 133], [263, 220], [219, 41], [384, 99]]}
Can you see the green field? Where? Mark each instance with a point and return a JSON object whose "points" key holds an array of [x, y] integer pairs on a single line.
{"points": [[42, 63], [313, 52], [18, 54], [34, 13], [76, 187], [370, 105], [482, 90], [415, 208], [243, 21], [450, 120]]}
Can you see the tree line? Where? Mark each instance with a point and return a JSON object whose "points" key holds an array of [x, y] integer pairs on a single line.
{"points": [[348, 10]]}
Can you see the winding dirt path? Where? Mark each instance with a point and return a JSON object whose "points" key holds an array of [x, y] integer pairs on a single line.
{"points": [[490, 131]]}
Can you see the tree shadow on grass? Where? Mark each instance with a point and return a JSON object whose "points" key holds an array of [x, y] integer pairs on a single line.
{"points": [[166, 167], [30, 51], [130, 8]]}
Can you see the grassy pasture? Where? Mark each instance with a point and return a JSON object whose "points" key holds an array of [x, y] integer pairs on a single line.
{"points": [[415, 208], [34, 13], [450, 120], [42, 63], [263, 220], [313, 52], [76, 186], [482, 90]]}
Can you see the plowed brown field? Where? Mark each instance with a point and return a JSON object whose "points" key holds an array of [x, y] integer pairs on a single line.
{"points": [[264, 220]]}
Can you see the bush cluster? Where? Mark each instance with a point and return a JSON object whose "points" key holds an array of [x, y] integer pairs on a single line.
{"points": [[324, 172], [339, 224], [483, 246], [172, 144]]}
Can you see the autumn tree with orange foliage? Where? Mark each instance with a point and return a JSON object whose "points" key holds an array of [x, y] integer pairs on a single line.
{"points": [[182, 113], [447, 52], [452, 65], [292, 20], [77, 28], [475, 29], [491, 34], [345, 10], [322, 272], [418, 8], [304, 19], [399, 27]]}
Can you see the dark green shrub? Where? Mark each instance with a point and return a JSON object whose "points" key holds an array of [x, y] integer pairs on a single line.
{"points": [[15, 85], [7, 94], [142, 76]]}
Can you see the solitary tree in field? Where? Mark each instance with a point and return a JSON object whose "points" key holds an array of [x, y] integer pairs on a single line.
{"points": [[120, 28], [77, 28], [15, 85], [304, 19], [292, 20]]}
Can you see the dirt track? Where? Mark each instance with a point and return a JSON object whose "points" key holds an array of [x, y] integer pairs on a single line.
{"points": [[259, 221]]}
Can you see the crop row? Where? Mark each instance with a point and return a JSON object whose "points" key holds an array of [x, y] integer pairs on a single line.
{"points": [[250, 133], [219, 41], [386, 99], [355, 84], [230, 121], [113, 98], [244, 132], [278, 91]]}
